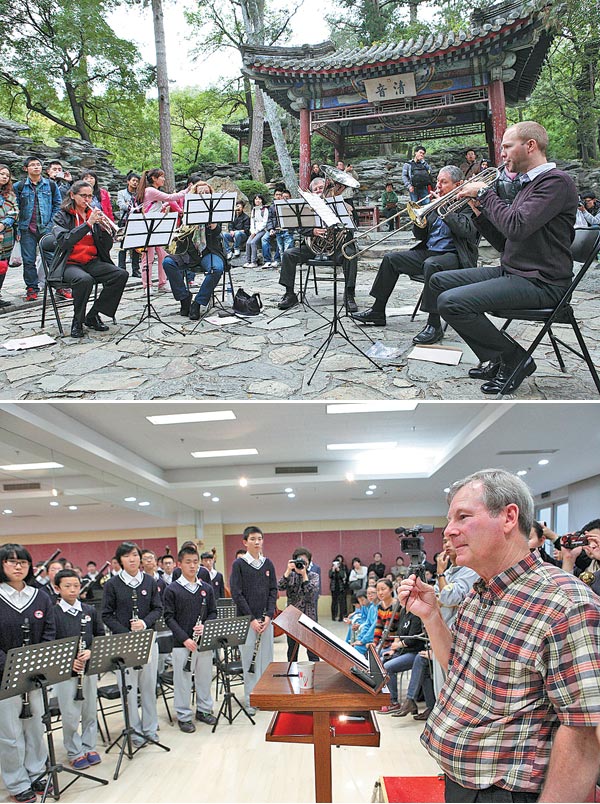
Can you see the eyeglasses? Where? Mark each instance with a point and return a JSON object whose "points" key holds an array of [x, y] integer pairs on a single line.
{"points": [[14, 562], [85, 195]]}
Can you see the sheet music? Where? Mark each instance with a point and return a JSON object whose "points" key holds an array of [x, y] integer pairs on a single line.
{"points": [[138, 224], [322, 208], [197, 206], [339, 643]]}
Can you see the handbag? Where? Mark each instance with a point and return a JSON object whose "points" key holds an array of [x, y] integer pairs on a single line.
{"points": [[15, 255], [246, 304]]}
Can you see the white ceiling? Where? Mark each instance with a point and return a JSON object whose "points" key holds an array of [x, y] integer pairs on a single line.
{"points": [[110, 451]]}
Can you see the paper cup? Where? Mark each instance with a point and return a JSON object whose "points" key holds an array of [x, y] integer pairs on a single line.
{"points": [[306, 675]]}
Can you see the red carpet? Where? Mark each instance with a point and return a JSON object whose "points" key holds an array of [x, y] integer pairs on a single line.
{"points": [[412, 788]]}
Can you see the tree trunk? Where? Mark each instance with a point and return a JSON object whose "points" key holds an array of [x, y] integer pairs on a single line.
{"points": [[285, 162], [256, 145], [77, 113], [164, 105]]}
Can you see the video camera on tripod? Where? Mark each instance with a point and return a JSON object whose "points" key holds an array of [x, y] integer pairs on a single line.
{"points": [[412, 543]]}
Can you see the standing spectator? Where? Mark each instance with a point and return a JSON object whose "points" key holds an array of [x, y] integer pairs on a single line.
{"points": [[126, 204], [416, 176], [269, 242], [348, 192], [284, 237], [389, 205], [302, 589], [216, 578], [8, 218], [258, 229], [470, 167], [338, 578], [239, 232], [377, 566], [38, 200], [62, 177], [101, 199], [316, 172], [590, 202]]}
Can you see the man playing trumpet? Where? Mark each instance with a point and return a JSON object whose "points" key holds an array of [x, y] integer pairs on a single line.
{"points": [[444, 244], [84, 238]]}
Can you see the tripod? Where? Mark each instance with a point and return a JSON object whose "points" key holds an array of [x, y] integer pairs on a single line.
{"points": [[226, 708]]}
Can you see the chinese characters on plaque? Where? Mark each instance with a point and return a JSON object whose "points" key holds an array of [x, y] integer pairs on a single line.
{"points": [[390, 87]]}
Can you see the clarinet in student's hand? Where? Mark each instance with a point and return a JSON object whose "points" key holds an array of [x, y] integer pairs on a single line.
{"points": [[26, 708], [135, 615], [80, 649], [252, 667], [187, 667]]}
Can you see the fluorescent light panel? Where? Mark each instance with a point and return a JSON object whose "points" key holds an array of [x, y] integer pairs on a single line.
{"points": [[190, 418], [26, 467], [224, 453], [365, 445], [370, 407]]}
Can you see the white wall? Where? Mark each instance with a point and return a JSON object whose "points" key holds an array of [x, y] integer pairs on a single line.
{"points": [[584, 502]]}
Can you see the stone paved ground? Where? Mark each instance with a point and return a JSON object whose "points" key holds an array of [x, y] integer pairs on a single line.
{"points": [[262, 359]]}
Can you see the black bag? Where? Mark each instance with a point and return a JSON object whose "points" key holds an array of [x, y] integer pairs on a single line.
{"points": [[245, 304]]}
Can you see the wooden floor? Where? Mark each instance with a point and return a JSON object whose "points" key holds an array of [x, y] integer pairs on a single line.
{"points": [[235, 764]]}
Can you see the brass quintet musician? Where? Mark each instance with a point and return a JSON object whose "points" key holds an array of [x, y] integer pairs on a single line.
{"points": [[293, 257], [443, 245], [84, 238]]}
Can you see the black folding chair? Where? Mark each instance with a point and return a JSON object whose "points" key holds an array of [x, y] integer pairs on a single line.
{"points": [[584, 248]]}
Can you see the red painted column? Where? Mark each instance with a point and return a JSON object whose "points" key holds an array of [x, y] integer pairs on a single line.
{"points": [[498, 109], [304, 178]]}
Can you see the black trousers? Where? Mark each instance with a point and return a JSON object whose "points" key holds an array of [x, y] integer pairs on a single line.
{"points": [[82, 278], [293, 649], [293, 257], [338, 605], [464, 795], [417, 262], [463, 297]]}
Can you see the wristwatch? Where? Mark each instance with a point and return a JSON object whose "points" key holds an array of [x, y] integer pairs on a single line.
{"points": [[441, 574], [483, 192]]}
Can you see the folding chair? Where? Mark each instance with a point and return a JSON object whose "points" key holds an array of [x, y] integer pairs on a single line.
{"points": [[584, 249]]}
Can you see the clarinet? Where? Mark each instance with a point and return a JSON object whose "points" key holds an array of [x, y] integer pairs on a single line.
{"points": [[82, 646], [386, 630], [135, 615], [252, 668], [187, 667], [26, 709], [46, 563]]}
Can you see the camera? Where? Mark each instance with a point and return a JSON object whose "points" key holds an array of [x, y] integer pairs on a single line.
{"points": [[571, 540], [299, 563], [412, 544]]}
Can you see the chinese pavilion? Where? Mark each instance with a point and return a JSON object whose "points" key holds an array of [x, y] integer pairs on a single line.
{"points": [[450, 84]]}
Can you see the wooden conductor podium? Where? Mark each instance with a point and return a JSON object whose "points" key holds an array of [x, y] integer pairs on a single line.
{"points": [[337, 711]]}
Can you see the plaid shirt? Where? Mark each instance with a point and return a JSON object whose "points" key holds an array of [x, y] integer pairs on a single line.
{"points": [[525, 660], [301, 594]]}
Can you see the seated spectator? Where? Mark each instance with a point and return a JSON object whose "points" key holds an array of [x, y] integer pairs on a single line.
{"points": [[400, 654], [258, 229], [389, 205], [421, 682], [284, 237], [399, 570], [358, 617], [8, 217], [377, 566], [388, 616], [238, 233], [270, 248], [358, 576], [365, 633]]}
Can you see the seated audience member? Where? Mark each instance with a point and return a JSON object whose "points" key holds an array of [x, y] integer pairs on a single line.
{"points": [[534, 237], [258, 228], [377, 566], [420, 683], [239, 232], [388, 616], [358, 576], [365, 633], [400, 654], [444, 245], [399, 570], [82, 259], [269, 245], [537, 539], [357, 618], [590, 202], [389, 205], [284, 237]]}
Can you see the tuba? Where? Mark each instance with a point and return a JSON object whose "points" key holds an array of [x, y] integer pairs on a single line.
{"points": [[327, 244]]}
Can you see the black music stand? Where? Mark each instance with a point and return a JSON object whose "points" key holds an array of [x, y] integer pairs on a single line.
{"points": [[117, 652], [226, 608], [148, 230], [38, 666], [226, 633]]}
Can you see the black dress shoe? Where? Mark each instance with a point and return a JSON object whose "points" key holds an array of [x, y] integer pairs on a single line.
{"points": [[184, 306], [137, 274], [374, 317], [429, 335], [485, 371], [76, 329], [496, 385], [93, 321], [288, 300], [350, 302], [194, 311]]}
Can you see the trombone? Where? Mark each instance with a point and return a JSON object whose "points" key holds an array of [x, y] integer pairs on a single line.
{"points": [[418, 215]]}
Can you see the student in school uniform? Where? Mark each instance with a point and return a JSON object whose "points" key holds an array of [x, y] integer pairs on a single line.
{"points": [[216, 578], [25, 613], [74, 618], [253, 586], [189, 603], [130, 593]]}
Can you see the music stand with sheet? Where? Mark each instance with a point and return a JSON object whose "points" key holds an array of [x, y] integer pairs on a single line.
{"points": [[226, 608], [117, 652], [224, 634], [38, 666], [149, 230]]}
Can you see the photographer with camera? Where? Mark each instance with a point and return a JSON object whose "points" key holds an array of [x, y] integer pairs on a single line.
{"points": [[301, 586], [581, 554], [338, 581]]}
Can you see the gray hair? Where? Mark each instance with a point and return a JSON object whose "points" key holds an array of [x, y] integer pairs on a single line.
{"points": [[454, 173], [499, 489], [314, 183]]}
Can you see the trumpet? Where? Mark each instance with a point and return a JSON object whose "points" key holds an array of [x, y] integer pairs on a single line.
{"points": [[417, 214], [105, 223]]}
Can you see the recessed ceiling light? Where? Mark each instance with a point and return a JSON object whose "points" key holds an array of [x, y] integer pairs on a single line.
{"points": [[54, 504], [54, 492], [243, 482], [368, 492], [372, 486], [447, 490], [130, 499], [207, 493], [543, 462], [291, 495], [364, 445], [350, 477], [143, 504], [370, 407], [288, 490], [224, 453], [522, 472], [215, 499], [25, 467], [72, 508], [7, 511], [190, 418]]}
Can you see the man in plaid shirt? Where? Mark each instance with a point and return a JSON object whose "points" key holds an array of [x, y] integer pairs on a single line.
{"points": [[516, 716]]}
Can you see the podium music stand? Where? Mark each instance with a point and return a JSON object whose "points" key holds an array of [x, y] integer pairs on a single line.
{"points": [[226, 633], [117, 652], [38, 666], [148, 230], [337, 711]]}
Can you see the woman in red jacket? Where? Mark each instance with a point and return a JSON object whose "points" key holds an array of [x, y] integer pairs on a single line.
{"points": [[101, 199]]}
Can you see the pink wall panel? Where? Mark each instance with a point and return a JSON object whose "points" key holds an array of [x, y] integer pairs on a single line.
{"points": [[100, 551]]}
